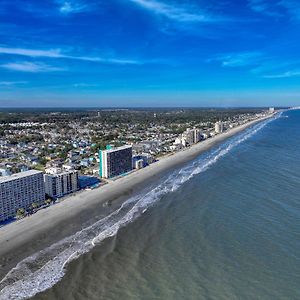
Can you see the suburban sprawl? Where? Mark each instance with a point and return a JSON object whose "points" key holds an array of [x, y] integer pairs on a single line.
{"points": [[48, 154]]}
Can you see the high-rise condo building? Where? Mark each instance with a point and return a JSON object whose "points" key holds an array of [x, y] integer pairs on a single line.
{"points": [[196, 135], [219, 128], [190, 137], [115, 161], [20, 191], [58, 184]]}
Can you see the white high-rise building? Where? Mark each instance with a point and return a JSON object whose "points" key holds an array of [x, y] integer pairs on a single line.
{"points": [[61, 183], [191, 136], [219, 128], [188, 138], [20, 191], [115, 161], [196, 135]]}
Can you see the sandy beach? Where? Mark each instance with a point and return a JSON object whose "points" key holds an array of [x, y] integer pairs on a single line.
{"points": [[22, 238]]}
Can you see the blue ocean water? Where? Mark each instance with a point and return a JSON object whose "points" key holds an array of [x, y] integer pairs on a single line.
{"points": [[225, 226]]}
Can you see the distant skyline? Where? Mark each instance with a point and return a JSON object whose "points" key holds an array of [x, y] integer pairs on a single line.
{"points": [[135, 53]]}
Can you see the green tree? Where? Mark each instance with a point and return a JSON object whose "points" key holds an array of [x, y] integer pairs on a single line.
{"points": [[48, 201], [34, 205], [20, 213]]}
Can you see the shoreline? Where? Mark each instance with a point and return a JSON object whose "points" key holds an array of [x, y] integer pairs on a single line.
{"points": [[23, 238]]}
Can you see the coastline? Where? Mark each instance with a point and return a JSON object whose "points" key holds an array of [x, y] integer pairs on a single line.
{"points": [[21, 239]]}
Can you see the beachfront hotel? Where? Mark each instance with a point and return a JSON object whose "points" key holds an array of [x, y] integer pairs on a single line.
{"points": [[58, 184], [115, 161], [20, 191], [219, 127]]}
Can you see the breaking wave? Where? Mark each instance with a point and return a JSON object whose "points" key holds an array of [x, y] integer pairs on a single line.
{"points": [[42, 270]]}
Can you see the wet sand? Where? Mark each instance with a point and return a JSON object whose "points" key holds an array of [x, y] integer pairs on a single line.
{"points": [[23, 238]]}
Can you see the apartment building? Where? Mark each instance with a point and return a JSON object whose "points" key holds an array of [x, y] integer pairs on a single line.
{"points": [[115, 161], [20, 191], [59, 183]]}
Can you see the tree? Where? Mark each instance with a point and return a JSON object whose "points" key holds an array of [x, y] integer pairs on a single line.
{"points": [[20, 213], [39, 167], [34, 205], [48, 201]]}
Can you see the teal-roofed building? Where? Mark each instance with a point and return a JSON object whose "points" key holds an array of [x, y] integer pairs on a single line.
{"points": [[115, 161]]}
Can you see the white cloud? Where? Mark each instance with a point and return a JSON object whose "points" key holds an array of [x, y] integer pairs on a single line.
{"points": [[265, 7], [277, 8], [238, 59], [71, 7], [12, 83], [287, 74], [259, 65], [181, 14], [79, 85], [30, 67], [54, 53], [57, 53]]}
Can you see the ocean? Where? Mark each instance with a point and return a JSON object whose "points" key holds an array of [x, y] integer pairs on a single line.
{"points": [[224, 226]]}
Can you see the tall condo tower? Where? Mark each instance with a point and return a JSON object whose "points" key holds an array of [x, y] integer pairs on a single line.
{"points": [[115, 161]]}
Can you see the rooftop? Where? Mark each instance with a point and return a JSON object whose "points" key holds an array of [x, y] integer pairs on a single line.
{"points": [[118, 148], [19, 175]]}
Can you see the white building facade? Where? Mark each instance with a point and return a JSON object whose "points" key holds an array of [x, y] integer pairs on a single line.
{"points": [[61, 183], [219, 127], [188, 138], [20, 191]]}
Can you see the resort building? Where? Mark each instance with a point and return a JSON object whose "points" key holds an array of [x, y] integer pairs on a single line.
{"points": [[115, 161], [188, 138], [196, 135], [20, 190], [60, 183], [219, 127], [271, 110]]}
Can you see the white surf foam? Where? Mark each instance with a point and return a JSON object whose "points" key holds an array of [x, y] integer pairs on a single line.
{"points": [[42, 270]]}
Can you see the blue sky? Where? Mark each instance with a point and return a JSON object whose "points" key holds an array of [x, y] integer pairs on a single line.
{"points": [[149, 53]]}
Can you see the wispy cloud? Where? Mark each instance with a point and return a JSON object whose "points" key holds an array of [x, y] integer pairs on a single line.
{"points": [[277, 68], [57, 53], [279, 8], [54, 53], [71, 7], [265, 7], [83, 85], [293, 8], [240, 59], [259, 64], [12, 83], [288, 74], [30, 67], [174, 12]]}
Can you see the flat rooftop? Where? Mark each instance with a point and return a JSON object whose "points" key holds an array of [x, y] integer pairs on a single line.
{"points": [[19, 175], [118, 148]]}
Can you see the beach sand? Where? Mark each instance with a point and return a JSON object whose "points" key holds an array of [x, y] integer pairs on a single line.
{"points": [[23, 238]]}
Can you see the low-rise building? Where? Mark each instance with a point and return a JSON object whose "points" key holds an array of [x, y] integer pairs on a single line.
{"points": [[138, 162]]}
